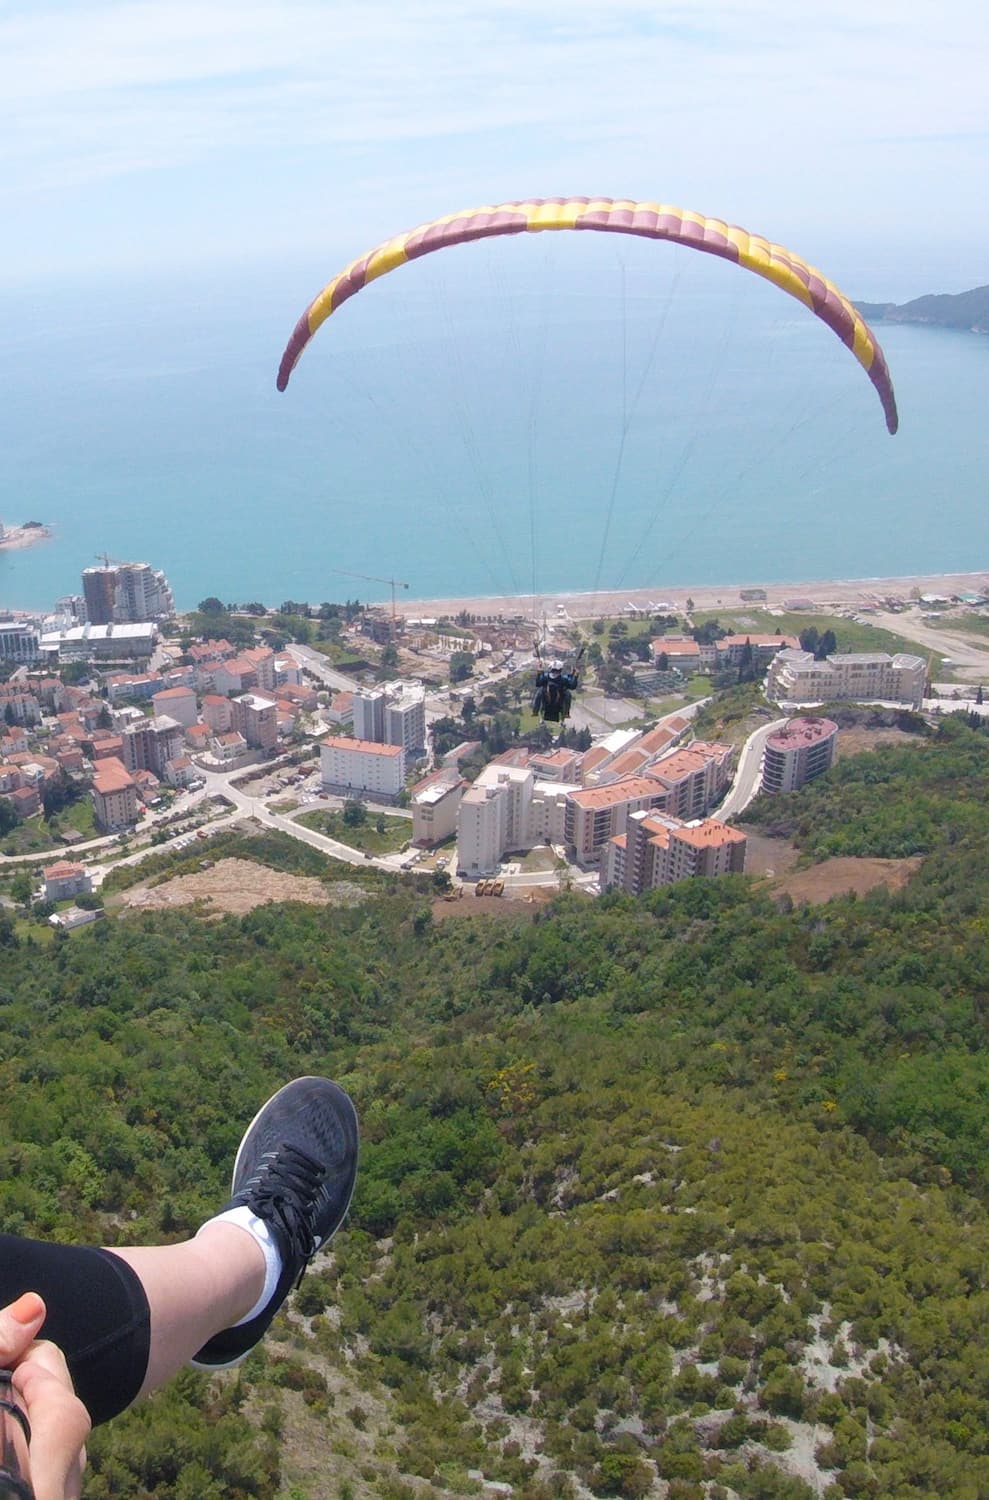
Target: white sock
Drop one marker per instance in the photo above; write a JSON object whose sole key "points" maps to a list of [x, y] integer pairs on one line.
{"points": [[244, 1219]]}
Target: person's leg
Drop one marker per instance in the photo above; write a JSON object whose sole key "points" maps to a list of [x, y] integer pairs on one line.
{"points": [[194, 1290], [128, 1319]]}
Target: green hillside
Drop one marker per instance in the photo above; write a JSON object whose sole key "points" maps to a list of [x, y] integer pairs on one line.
{"points": [[968, 310], [675, 1196]]}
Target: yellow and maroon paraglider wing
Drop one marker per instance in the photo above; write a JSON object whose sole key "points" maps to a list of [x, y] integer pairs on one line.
{"points": [[657, 221]]}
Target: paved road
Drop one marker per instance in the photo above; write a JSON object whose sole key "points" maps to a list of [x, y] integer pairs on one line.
{"points": [[747, 774]]}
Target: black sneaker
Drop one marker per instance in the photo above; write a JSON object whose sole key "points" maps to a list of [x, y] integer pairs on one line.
{"points": [[295, 1169]]}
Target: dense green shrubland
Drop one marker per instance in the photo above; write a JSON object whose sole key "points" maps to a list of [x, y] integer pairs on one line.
{"points": [[647, 1186]]}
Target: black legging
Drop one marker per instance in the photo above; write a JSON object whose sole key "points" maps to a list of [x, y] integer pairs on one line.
{"points": [[98, 1315]]}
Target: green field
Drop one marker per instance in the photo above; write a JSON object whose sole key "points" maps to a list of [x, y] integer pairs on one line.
{"points": [[850, 635], [977, 625], [364, 836]]}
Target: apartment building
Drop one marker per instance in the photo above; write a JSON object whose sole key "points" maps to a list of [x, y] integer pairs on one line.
{"points": [[694, 777], [435, 806], [256, 718], [597, 814], [178, 703], [796, 677], [151, 743], [114, 793], [802, 749], [362, 767], [657, 849]]}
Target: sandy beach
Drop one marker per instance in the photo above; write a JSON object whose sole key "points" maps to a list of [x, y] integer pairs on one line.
{"points": [[835, 593]]}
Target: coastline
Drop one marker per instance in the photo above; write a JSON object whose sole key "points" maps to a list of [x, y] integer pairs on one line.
{"points": [[830, 593], [16, 537]]}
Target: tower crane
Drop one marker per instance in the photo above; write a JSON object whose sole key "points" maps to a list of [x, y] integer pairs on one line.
{"points": [[395, 583]]}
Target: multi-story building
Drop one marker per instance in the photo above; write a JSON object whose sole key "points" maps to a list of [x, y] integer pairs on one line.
{"points": [[109, 642], [19, 642], [178, 703], [66, 879], [435, 805], [395, 715], [363, 767], [797, 677], [482, 824], [256, 718], [99, 587], [657, 849], [218, 713], [597, 814], [115, 803], [126, 593], [802, 749], [694, 777], [405, 720], [151, 744]]}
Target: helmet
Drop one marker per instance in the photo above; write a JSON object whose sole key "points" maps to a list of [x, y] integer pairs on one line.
{"points": [[556, 666]]}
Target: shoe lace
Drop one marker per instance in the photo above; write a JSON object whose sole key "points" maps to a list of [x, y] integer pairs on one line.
{"points": [[284, 1193]]}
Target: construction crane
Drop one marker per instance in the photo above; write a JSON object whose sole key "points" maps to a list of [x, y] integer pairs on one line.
{"points": [[395, 583]]}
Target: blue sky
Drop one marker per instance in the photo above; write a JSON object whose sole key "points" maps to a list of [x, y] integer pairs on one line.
{"points": [[167, 132]]}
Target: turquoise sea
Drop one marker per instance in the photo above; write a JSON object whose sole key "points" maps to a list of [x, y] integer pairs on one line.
{"points": [[556, 412]]}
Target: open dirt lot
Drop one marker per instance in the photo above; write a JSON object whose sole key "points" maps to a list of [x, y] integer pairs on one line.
{"points": [[776, 859], [854, 741], [237, 886], [493, 906], [834, 877]]}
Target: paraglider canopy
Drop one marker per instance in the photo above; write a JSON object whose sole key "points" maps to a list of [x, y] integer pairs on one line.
{"points": [[648, 220]]}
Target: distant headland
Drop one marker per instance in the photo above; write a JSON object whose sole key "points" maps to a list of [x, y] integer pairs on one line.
{"points": [[965, 310]]}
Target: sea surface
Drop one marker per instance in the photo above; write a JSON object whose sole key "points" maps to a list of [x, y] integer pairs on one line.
{"points": [[553, 412]]}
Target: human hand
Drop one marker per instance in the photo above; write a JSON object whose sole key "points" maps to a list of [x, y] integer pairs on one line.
{"points": [[59, 1421]]}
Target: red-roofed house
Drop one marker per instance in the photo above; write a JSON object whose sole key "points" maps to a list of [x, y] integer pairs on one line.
{"points": [[65, 879], [114, 796], [25, 801]]}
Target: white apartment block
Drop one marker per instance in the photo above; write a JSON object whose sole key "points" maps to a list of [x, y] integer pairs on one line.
{"points": [[362, 767], [795, 677], [494, 818], [393, 715], [481, 829], [435, 806], [19, 642], [548, 812]]}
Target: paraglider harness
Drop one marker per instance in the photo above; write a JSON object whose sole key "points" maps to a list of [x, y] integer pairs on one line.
{"points": [[555, 687]]}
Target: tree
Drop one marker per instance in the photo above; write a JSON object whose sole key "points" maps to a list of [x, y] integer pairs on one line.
{"points": [[826, 645], [8, 817], [461, 666], [354, 813], [211, 606], [389, 655], [809, 639], [8, 713]]}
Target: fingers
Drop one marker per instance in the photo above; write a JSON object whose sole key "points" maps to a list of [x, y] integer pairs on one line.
{"points": [[59, 1423], [19, 1325]]}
